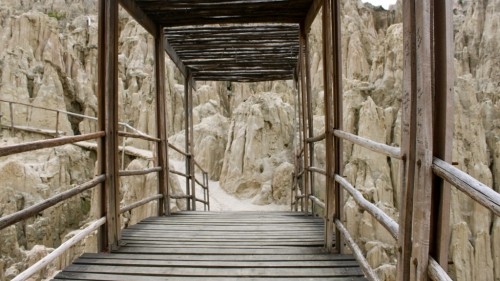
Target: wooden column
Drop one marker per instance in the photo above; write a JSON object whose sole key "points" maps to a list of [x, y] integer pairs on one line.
{"points": [[304, 116], [187, 135], [408, 142], [108, 153], [443, 126], [297, 148], [161, 123], [191, 145], [102, 236], [338, 94], [310, 119], [428, 197], [333, 118]]}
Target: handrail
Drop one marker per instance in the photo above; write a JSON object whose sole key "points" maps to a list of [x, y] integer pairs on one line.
{"points": [[140, 203], [198, 166], [127, 173], [316, 138], [35, 145], [178, 173], [177, 149], [316, 170], [204, 184], [475, 189], [35, 209], [199, 183], [58, 111], [317, 201], [358, 254], [50, 109], [138, 136], [180, 196], [386, 221], [60, 250], [436, 272], [391, 151]]}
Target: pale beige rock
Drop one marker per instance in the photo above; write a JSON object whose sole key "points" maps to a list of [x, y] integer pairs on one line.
{"points": [[210, 138], [462, 252], [282, 182], [260, 139]]}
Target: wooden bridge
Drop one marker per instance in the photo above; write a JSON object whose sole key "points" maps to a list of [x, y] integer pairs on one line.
{"points": [[262, 40], [219, 246]]}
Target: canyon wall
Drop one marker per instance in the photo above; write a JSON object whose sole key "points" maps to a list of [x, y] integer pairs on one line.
{"points": [[244, 132]]}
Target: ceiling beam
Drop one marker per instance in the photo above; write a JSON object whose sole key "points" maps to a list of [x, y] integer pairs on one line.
{"points": [[138, 14], [311, 14]]}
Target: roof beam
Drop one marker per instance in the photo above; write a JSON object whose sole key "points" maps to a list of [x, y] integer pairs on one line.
{"points": [[138, 14], [311, 14], [175, 58]]}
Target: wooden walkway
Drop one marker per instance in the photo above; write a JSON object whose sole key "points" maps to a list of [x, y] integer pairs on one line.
{"points": [[219, 246]]}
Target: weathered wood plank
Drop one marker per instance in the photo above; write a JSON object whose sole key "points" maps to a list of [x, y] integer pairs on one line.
{"points": [[215, 272], [122, 277], [219, 264], [236, 257], [285, 246]]}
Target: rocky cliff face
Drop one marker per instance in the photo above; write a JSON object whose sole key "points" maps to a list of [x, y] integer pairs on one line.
{"points": [[244, 133]]}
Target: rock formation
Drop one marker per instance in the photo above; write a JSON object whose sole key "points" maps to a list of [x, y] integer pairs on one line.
{"points": [[244, 132], [260, 138]]}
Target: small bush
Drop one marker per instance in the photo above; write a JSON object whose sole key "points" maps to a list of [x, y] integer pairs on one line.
{"points": [[57, 15]]}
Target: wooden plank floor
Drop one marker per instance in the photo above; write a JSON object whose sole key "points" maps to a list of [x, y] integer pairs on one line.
{"points": [[219, 246]]}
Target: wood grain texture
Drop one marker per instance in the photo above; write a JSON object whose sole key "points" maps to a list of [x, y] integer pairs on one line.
{"points": [[219, 246]]}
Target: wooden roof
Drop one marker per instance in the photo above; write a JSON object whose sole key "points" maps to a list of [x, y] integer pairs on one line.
{"points": [[231, 40], [244, 53]]}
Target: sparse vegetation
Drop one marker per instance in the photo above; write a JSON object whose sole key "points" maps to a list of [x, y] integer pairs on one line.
{"points": [[57, 15]]}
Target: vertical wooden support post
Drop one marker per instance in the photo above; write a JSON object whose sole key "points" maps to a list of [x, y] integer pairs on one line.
{"points": [[337, 119], [191, 145], [310, 120], [161, 123], [186, 137], [298, 157], [329, 77], [108, 119], [102, 236], [423, 181], [333, 118], [408, 142], [305, 114], [443, 126]]}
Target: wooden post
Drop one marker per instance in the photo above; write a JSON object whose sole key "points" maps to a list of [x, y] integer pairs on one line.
{"points": [[329, 77], [337, 119], [191, 145], [443, 126], [408, 142], [310, 119], [305, 114], [423, 181], [161, 123], [108, 120], [186, 143], [295, 178], [102, 237]]}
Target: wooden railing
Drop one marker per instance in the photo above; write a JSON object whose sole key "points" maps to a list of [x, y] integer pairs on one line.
{"points": [[476, 190], [60, 138], [190, 196]]}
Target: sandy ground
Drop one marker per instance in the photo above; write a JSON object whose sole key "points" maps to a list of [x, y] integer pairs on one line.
{"points": [[220, 200]]}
